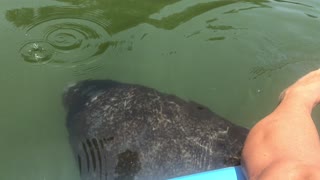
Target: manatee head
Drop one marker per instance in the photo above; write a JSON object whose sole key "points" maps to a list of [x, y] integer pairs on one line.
{"points": [[124, 131]]}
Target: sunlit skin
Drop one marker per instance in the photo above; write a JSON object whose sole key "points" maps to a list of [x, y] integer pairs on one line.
{"points": [[285, 144]]}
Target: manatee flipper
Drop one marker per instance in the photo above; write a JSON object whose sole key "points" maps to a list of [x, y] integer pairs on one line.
{"points": [[129, 132]]}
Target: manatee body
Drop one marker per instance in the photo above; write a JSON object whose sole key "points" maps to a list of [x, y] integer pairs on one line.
{"points": [[129, 132]]}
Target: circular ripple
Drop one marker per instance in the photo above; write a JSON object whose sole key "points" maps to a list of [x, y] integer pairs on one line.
{"points": [[37, 52], [66, 42]]}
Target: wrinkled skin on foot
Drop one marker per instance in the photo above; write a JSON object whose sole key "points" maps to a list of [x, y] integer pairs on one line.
{"points": [[129, 132]]}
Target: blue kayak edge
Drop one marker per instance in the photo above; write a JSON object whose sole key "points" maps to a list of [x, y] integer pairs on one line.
{"points": [[229, 173]]}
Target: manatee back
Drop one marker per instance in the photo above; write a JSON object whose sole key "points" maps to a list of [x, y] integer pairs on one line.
{"points": [[130, 132]]}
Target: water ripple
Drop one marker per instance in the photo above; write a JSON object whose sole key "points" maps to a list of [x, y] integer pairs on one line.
{"points": [[64, 41], [37, 52]]}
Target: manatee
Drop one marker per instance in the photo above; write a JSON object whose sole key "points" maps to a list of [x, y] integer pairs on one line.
{"points": [[121, 131]]}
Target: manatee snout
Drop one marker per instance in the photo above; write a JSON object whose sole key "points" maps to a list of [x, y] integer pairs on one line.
{"points": [[76, 93]]}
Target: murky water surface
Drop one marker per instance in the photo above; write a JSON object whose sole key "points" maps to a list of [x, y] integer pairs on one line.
{"points": [[234, 56]]}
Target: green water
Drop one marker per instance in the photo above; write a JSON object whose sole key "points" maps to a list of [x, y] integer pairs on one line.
{"points": [[234, 56]]}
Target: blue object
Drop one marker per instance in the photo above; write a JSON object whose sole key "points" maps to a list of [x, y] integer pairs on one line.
{"points": [[229, 173]]}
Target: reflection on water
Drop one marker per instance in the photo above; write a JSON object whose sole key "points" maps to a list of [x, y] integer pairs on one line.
{"points": [[292, 2], [216, 38], [310, 15], [172, 21], [116, 16], [79, 32]]}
